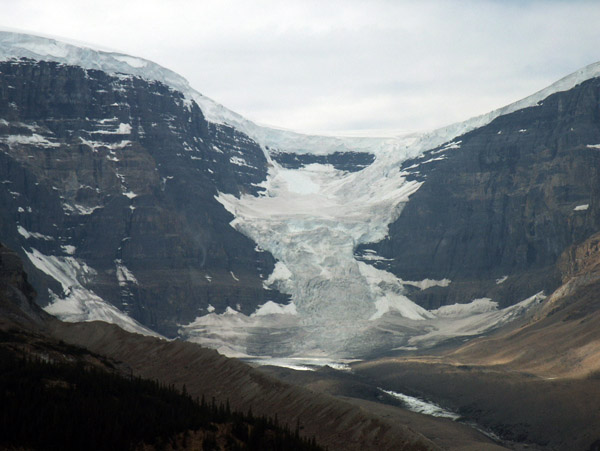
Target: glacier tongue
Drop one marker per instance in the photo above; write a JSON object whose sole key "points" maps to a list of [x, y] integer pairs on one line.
{"points": [[311, 220]]}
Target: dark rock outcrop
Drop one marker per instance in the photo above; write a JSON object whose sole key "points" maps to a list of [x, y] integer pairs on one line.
{"points": [[121, 174], [343, 161]]}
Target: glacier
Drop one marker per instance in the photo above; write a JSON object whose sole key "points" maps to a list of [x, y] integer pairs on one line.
{"points": [[311, 220]]}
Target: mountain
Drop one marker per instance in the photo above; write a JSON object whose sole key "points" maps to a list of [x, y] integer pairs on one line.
{"points": [[458, 266], [504, 204], [134, 199], [108, 189]]}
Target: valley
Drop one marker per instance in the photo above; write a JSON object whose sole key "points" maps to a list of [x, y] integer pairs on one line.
{"points": [[349, 286]]}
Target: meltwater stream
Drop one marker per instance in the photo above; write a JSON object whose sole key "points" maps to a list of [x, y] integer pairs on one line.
{"points": [[429, 408], [420, 406]]}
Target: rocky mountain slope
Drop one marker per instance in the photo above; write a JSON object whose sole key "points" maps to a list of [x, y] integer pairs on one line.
{"points": [[504, 204], [560, 340], [110, 181], [535, 382]]}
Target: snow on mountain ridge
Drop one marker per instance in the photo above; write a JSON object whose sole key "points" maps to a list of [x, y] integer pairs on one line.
{"points": [[19, 45]]}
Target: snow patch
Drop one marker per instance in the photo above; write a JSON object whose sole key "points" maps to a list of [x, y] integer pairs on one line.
{"points": [[80, 209], [76, 303], [420, 406], [231, 332], [431, 160], [582, 207], [427, 283], [481, 305], [272, 308], [68, 249], [239, 162], [124, 275], [371, 255], [470, 320], [302, 363], [65, 270], [122, 129], [279, 277], [387, 290], [27, 235], [501, 280], [98, 145], [449, 146], [30, 140]]}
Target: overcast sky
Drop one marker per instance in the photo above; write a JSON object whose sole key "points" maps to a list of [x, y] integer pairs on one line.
{"points": [[339, 67]]}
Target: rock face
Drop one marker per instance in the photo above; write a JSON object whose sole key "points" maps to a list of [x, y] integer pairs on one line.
{"points": [[344, 161], [503, 200], [112, 179]]}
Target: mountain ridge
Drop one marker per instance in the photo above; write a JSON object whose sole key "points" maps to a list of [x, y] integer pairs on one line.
{"points": [[16, 45]]}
